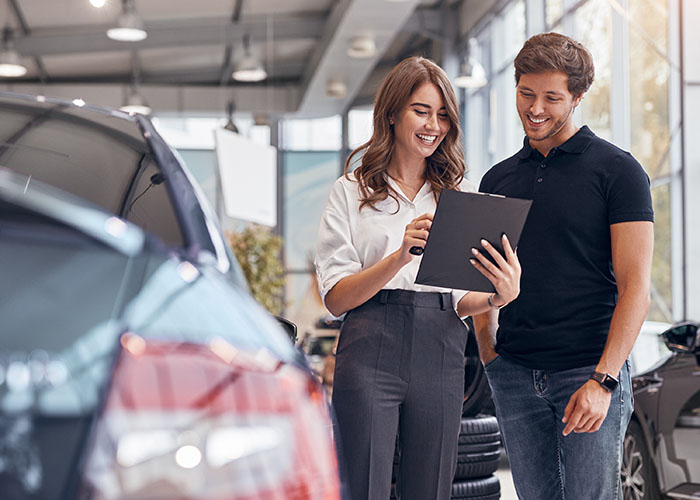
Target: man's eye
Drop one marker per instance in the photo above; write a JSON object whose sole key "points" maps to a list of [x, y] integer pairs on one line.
{"points": [[553, 99]]}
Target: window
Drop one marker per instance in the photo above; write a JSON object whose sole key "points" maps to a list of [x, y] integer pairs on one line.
{"points": [[360, 126], [322, 134], [593, 26], [491, 126]]}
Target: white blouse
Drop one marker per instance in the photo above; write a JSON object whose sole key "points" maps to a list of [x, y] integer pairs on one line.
{"points": [[350, 240]]}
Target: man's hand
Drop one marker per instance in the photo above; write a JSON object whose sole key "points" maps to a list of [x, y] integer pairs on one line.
{"points": [[587, 408]]}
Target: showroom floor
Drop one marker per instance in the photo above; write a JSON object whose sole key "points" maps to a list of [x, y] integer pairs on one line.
{"points": [[504, 476]]}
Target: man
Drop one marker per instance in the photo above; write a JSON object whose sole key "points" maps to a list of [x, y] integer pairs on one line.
{"points": [[556, 356]]}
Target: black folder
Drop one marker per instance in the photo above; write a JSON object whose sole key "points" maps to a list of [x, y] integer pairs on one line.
{"points": [[461, 220]]}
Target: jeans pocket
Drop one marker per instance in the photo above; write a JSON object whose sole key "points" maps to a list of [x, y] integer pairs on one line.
{"points": [[492, 362]]}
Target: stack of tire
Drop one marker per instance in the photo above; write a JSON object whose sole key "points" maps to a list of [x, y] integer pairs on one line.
{"points": [[478, 455], [478, 451]]}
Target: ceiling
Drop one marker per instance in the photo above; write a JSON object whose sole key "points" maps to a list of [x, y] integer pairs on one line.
{"points": [[185, 63]]}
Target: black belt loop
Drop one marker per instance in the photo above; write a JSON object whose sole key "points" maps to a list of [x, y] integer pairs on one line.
{"points": [[442, 301], [383, 296]]}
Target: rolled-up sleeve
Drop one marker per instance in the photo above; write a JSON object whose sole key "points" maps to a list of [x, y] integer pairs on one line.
{"points": [[336, 256]]}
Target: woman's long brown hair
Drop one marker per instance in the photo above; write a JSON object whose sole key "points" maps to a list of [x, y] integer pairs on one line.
{"points": [[445, 168]]}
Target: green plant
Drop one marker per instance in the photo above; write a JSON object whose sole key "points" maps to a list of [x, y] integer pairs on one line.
{"points": [[258, 252]]}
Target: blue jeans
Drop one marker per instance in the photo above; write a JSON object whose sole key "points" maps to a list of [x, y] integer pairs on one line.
{"points": [[545, 464]]}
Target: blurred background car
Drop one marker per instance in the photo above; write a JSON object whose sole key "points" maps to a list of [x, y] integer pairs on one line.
{"points": [[133, 361], [661, 457]]}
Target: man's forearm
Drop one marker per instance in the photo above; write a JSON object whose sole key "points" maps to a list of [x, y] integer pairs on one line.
{"points": [[485, 326], [631, 309]]}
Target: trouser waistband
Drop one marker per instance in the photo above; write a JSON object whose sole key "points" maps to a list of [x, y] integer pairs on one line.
{"points": [[440, 300]]}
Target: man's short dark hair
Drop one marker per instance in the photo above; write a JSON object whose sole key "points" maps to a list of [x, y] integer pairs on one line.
{"points": [[556, 52]]}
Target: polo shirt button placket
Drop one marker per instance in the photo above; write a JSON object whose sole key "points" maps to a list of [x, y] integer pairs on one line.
{"points": [[542, 166]]}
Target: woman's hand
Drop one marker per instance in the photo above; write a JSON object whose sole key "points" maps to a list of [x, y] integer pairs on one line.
{"points": [[415, 235], [505, 275]]}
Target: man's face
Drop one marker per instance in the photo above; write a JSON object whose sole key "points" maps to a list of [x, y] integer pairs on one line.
{"points": [[546, 108]]}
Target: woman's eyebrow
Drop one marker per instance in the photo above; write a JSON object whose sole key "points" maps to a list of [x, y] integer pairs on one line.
{"points": [[423, 105]]}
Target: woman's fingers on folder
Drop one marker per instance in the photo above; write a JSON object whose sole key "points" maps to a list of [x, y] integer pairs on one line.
{"points": [[504, 274], [511, 255]]}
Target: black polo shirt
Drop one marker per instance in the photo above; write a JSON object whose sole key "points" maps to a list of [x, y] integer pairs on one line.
{"points": [[568, 290]]}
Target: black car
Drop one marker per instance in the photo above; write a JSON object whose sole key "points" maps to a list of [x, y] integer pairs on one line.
{"points": [[661, 457], [134, 362]]}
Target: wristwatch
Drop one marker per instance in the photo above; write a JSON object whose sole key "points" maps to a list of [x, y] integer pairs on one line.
{"points": [[608, 382], [489, 300]]}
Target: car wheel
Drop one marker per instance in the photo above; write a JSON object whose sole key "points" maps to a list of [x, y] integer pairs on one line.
{"points": [[637, 472]]}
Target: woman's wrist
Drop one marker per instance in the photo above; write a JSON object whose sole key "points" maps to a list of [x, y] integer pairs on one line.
{"points": [[495, 301]]}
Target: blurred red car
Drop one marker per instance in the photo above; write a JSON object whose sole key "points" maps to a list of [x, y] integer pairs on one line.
{"points": [[134, 363]]}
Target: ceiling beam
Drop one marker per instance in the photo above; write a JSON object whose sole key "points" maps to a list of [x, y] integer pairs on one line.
{"points": [[275, 100], [168, 34], [349, 18], [283, 72]]}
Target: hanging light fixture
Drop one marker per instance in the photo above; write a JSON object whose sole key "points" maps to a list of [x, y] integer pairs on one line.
{"points": [[362, 46], [229, 124], [129, 26], [336, 88], [10, 61], [248, 68], [135, 103], [471, 73]]}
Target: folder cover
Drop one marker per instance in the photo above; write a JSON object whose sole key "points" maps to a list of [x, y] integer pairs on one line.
{"points": [[461, 220]]}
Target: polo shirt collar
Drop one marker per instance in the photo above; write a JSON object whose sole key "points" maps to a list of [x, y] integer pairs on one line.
{"points": [[577, 143]]}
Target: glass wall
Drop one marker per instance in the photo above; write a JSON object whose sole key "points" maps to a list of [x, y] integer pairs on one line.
{"points": [[311, 162], [629, 102]]}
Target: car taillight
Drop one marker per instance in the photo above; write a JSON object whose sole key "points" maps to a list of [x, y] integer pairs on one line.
{"points": [[193, 421]]}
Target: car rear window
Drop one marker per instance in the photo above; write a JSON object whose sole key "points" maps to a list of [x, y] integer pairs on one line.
{"points": [[101, 158]]}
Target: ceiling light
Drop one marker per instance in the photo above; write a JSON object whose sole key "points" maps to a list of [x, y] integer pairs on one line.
{"points": [[135, 103], [336, 89], [98, 4], [471, 73], [129, 25], [362, 46], [248, 68], [10, 61]]}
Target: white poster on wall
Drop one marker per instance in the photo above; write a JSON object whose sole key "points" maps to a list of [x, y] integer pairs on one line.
{"points": [[248, 178]]}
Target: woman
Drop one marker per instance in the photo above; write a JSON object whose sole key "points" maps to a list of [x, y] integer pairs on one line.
{"points": [[400, 356]]}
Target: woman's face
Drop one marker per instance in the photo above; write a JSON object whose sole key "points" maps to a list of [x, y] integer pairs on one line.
{"points": [[422, 124]]}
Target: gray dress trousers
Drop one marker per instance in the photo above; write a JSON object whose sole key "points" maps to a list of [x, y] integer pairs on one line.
{"points": [[400, 366]]}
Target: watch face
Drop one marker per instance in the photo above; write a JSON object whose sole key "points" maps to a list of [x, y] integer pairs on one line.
{"points": [[608, 382]]}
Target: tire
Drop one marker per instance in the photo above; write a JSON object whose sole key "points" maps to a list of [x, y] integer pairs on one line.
{"points": [[477, 488], [482, 424], [479, 457], [470, 470], [637, 473], [477, 393], [490, 437], [470, 448]]}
